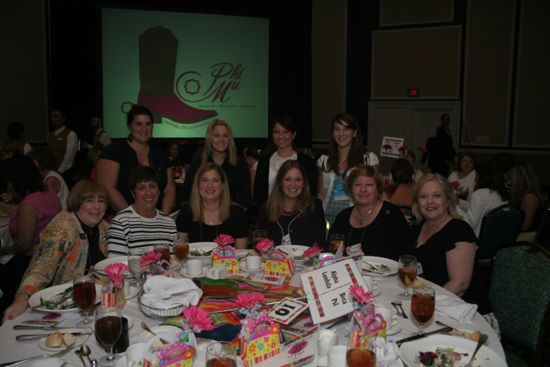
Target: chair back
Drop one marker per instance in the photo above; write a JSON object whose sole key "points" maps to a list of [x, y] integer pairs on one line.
{"points": [[499, 228], [543, 233], [520, 295]]}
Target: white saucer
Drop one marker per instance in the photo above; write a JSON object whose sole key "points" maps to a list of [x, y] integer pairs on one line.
{"points": [[186, 275], [243, 267]]}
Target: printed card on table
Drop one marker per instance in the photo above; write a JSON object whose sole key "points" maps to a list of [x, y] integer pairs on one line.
{"points": [[287, 310], [327, 290], [391, 146]]}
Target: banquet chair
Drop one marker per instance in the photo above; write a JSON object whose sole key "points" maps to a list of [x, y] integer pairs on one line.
{"points": [[499, 228], [520, 296], [543, 232]]}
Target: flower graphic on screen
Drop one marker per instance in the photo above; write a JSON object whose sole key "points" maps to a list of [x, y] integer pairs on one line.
{"points": [[192, 86]]}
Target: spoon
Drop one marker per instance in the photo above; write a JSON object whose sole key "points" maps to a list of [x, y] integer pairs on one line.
{"points": [[79, 354], [482, 339], [85, 351], [148, 329]]}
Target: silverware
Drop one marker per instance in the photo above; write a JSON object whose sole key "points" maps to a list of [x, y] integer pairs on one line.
{"points": [[77, 352], [482, 339], [400, 310], [39, 327], [85, 351], [27, 337], [420, 336], [54, 355]]}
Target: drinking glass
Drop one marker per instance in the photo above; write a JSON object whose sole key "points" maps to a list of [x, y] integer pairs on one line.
{"points": [[407, 272], [257, 236], [134, 256], [423, 306], [361, 353], [181, 248], [84, 296], [462, 192], [164, 250], [221, 354], [335, 241], [108, 327]]}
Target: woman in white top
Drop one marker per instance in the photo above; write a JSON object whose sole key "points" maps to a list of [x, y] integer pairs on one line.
{"points": [[465, 176], [489, 193], [46, 164], [345, 153]]}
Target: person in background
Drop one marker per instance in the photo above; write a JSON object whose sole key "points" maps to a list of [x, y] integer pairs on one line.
{"points": [[46, 165], [251, 155], [441, 152], [16, 144], [525, 195], [100, 134], [345, 153], [120, 158], [291, 215], [62, 142], [505, 161], [220, 148], [377, 225], [71, 243], [411, 157], [35, 204], [399, 192], [141, 225], [283, 134], [489, 193], [465, 176], [209, 211], [444, 244]]}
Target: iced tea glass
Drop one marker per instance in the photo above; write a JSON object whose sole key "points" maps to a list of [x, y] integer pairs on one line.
{"points": [[407, 272], [423, 306], [221, 354], [84, 296], [361, 353]]}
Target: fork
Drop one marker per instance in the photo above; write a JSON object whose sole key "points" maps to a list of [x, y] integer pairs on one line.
{"points": [[399, 307]]}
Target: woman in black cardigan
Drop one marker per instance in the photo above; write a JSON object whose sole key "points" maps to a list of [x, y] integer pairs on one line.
{"points": [[283, 134]]}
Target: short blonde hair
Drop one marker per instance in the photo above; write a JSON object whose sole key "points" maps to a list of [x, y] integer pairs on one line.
{"points": [[195, 200], [363, 170], [447, 190], [85, 189], [208, 138]]}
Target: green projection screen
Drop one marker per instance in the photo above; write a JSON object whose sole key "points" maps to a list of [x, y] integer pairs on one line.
{"points": [[188, 69]]}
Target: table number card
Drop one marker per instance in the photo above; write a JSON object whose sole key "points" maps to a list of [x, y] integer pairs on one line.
{"points": [[327, 290], [287, 310]]}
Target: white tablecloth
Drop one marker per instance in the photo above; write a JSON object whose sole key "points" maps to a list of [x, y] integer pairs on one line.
{"points": [[11, 350]]}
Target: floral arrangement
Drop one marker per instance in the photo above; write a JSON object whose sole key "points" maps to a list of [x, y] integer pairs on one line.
{"points": [[264, 245], [115, 273], [152, 257], [196, 319], [312, 251], [224, 240], [360, 296], [250, 303]]}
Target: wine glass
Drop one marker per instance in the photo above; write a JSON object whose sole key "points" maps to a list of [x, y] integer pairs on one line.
{"points": [[361, 353], [108, 328], [407, 272], [335, 240], [221, 354], [164, 250], [134, 256], [181, 248], [423, 306], [84, 296]]}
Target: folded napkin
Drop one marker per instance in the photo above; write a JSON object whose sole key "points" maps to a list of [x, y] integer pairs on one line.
{"points": [[163, 292], [455, 308], [387, 353]]}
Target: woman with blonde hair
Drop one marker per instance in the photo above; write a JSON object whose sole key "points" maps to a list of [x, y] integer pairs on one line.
{"points": [[291, 215], [444, 244], [220, 148], [209, 211]]}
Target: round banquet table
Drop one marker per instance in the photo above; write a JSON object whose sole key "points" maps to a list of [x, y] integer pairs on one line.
{"points": [[12, 350]]}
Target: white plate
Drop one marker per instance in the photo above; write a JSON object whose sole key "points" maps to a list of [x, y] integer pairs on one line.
{"points": [[485, 357], [243, 267], [100, 266], [375, 260], [202, 246], [47, 293], [79, 340], [50, 362], [293, 250], [167, 332]]}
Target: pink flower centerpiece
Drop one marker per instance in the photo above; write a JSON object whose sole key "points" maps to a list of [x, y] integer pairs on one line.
{"points": [[264, 245], [224, 240], [115, 273], [250, 303], [364, 299], [312, 251], [196, 319], [149, 258]]}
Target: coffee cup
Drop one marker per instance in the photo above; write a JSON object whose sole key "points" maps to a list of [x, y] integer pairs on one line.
{"points": [[253, 262], [327, 339], [194, 267]]}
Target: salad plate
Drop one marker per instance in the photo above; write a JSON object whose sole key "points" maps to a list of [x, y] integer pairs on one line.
{"points": [[379, 266], [202, 251], [79, 340], [447, 347], [295, 251], [58, 298]]}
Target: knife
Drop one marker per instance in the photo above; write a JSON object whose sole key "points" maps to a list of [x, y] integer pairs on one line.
{"points": [[26, 337], [414, 337], [40, 327]]}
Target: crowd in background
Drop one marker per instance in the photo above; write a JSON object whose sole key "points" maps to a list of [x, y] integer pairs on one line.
{"points": [[71, 208]]}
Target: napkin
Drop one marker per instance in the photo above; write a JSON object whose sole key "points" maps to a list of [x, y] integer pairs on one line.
{"points": [[387, 353], [163, 292], [454, 308]]}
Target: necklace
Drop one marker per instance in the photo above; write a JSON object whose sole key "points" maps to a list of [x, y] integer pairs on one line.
{"points": [[362, 219]]}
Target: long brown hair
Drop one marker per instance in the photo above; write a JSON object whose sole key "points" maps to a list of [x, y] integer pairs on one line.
{"points": [[275, 203], [355, 155], [195, 200], [208, 138]]}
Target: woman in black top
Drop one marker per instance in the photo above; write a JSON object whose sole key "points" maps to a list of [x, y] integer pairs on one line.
{"points": [[292, 215], [377, 225], [210, 212], [283, 134], [220, 148]]}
